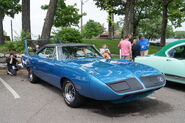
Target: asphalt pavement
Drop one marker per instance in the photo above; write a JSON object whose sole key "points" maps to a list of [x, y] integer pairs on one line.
{"points": [[43, 103]]}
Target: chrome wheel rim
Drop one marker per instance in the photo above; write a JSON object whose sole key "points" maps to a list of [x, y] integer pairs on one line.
{"points": [[69, 93], [31, 76]]}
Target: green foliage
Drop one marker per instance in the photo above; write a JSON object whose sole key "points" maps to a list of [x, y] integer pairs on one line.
{"points": [[176, 16], [68, 35], [151, 28], [112, 6], [92, 29], [9, 7], [65, 15], [18, 44], [179, 34]]}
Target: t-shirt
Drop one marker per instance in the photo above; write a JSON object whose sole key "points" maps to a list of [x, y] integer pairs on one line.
{"points": [[102, 50], [13, 62], [126, 47], [143, 44], [136, 50]]}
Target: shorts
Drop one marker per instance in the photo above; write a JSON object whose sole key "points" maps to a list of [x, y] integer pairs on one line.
{"points": [[144, 52], [126, 57]]}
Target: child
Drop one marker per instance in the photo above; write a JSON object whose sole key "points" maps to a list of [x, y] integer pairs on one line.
{"points": [[104, 48], [106, 54]]}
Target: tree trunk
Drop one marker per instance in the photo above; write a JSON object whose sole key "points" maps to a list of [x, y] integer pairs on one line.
{"points": [[26, 17], [46, 30], [129, 17], [135, 26], [164, 22], [1, 30], [111, 25]]}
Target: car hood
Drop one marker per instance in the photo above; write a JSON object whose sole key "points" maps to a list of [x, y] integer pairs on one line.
{"points": [[108, 70]]}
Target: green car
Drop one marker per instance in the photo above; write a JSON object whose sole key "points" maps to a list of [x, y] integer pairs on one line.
{"points": [[170, 60]]}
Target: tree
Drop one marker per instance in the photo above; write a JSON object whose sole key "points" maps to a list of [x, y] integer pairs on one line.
{"points": [[65, 15], [165, 4], [46, 30], [112, 7], [68, 35], [151, 28], [26, 17], [92, 29], [10, 8], [170, 12], [129, 17]]}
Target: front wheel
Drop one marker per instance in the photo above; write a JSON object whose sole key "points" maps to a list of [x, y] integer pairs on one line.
{"points": [[32, 77], [71, 96]]}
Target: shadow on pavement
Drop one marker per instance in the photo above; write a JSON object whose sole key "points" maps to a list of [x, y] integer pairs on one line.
{"points": [[145, 107], [176, 86]]}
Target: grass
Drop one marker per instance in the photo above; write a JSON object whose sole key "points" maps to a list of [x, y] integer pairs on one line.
{"points": [[113, 45]]}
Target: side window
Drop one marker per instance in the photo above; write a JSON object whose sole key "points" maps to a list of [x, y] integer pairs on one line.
{"points": [[178, 52], [48, 52]]}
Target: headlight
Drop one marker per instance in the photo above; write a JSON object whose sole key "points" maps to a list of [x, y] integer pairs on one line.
{"points": [[126, 85], [152, 81], [119, 86]]}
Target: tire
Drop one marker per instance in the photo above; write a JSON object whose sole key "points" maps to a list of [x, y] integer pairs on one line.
{"points": [[71, 96], [32, 77]]}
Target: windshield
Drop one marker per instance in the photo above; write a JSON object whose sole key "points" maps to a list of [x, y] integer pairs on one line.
{"points": [[71, 52]]}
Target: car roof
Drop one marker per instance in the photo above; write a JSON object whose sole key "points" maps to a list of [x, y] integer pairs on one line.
{"points": [[165, 48], [67, 44]]}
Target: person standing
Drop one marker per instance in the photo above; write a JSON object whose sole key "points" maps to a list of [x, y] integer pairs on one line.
{"points": [[144, 44], [130, 38], [126, 48], [135, 49]]}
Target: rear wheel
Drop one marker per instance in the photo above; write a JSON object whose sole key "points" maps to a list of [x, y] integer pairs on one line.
{"points": [[32, 77], [71, 96]]}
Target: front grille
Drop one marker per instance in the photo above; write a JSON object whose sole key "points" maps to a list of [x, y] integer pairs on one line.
{"points": [[125, 85], [152, 81]]}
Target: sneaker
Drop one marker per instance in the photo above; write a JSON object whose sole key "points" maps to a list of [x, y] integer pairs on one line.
{"points": [[9, 73]]}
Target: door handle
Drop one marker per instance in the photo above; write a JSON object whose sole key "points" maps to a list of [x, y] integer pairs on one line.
{"points": [[168, 60]]}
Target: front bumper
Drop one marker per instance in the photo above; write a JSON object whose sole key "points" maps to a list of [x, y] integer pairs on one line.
{"points": [[102, 91]]}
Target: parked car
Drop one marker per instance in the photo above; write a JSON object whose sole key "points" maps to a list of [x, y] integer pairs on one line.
{"points": [[81, 71], [170, 60]]}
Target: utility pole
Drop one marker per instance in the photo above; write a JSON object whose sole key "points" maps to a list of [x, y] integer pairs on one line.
{"points": [[81, 25], [11, 30], [82, 16]]}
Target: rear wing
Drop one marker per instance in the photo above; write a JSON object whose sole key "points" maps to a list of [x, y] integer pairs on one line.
{"points": [[34, 45]]}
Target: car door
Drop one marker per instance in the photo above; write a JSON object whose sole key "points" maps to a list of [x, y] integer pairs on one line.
{"points": [[175, 61], [46, 64]]}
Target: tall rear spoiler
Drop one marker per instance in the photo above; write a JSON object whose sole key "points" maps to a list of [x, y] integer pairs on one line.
{"points": [[39, 40]]}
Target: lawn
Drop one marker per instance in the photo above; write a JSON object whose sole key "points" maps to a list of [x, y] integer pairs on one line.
{"points": [[113, 45]]}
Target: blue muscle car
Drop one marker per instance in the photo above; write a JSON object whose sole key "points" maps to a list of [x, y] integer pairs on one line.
{"points": [[81, 71]]}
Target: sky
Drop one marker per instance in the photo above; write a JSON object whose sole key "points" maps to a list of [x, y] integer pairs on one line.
{"points": [[38, 15]]}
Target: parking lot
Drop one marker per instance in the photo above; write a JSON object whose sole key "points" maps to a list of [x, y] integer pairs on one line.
{"points": [[21, 101]]}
